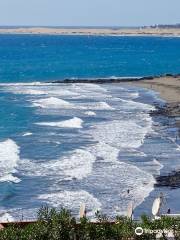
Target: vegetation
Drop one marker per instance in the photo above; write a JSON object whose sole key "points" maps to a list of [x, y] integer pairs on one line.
{"points": [[60, 225]]}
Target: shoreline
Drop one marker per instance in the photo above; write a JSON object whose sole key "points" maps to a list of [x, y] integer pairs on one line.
{"points": [[168, 89], [166, 86], [141, 31]]}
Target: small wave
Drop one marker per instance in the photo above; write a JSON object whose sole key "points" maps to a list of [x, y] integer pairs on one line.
{"points": [[129, 105], [23, 84], [105, 152], [90, 113], [72, 123], [57, 103], [97, 106], [61, 92], [77, 165], [101, 106], [27, 134], [121, 134], [9, 158], [158, 165], [85, 87], [52, 102], [28, 91], [134, 95], [72, 200]]}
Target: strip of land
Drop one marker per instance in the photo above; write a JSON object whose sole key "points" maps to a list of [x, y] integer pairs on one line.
{"points": [[149, 31]]}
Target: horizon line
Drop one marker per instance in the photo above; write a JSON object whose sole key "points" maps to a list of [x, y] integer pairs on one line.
{"points": [[89, 26]]}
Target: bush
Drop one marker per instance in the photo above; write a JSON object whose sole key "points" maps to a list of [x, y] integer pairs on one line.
{"points": [[60, 225]]}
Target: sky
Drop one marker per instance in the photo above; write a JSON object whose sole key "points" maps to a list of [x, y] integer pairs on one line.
{"points": [[89, 12]]}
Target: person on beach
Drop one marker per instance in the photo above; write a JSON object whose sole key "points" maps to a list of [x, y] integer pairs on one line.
{"points": [[169, 211]]}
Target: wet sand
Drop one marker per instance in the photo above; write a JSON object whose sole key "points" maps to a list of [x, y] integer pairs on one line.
{"points": [[93, 31]]}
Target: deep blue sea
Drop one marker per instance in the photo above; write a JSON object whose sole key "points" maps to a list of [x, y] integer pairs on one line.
{"points": [[67, 144], [41, 58]]}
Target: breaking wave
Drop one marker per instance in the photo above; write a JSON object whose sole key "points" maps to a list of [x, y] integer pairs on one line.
{"points": [[72, 123], [9, 158], [72, 200], [77, 165], [52, 102]]}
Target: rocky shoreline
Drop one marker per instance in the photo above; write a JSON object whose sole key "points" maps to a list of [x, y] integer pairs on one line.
{"points": [[171, 180], [169, 110], [113, 80]]}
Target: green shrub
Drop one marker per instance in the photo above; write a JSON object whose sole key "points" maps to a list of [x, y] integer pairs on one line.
{"points": [[60, 225]]}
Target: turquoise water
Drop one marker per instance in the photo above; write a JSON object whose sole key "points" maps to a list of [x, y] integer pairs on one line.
{"points": [[64, 144]]}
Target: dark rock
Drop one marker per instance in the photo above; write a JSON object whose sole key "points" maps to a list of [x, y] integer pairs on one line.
{"points": [[172, 180], [169, 110], [112, 80]]}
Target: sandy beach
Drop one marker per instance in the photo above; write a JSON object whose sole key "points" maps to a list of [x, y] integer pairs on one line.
{"points": [[146, 31], [168, 87]]}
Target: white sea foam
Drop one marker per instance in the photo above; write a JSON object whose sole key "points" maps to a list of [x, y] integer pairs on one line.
{"points": [[77, 165], [114, 179], [57, 103], [90, 113], [101, 106], [23, 84], [61, 92], [72, 123], [158, 165], [105, 152], [52, 102], [178, 148], [72, 200], [132, 105], [9, 157], [97, 106], [27, 134], [121, 134], [89, 87], [6, 217], [27, 91], [134, 95]]}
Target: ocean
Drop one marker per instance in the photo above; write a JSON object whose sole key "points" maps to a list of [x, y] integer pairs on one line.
{"points": [[64, 144]]}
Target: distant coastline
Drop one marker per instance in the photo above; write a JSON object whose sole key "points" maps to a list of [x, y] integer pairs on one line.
{"points": [[96, 31]]}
